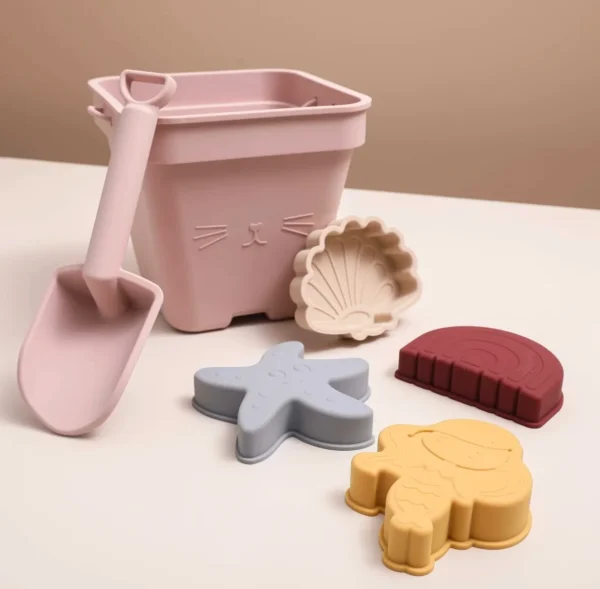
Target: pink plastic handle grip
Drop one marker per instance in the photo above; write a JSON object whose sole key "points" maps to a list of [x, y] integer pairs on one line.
{"points": [[160, 99], [130, 149], [127, 78]]}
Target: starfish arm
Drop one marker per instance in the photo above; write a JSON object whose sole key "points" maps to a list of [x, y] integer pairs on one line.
{"points": [[347, 375], [287, 351], [220, 391], [263, 420], [331, 417]]}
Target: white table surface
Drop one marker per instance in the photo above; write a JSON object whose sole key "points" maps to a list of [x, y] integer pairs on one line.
{"points": [[155, 499]]}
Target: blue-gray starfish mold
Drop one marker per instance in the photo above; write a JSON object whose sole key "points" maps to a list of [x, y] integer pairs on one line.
{"points": [[321, 402]]}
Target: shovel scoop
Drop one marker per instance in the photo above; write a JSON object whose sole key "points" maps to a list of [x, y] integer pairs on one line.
{"points": [[94, 319]]}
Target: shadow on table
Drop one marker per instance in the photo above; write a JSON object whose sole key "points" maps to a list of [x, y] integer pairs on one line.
{"points": [[277, 332], [26, 277], [31, 275], [282, 331], [367, 528], [369, 537], [225, 441], [13, 409]]}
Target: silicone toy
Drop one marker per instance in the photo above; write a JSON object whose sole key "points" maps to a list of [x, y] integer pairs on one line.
{"points": [[354, 279], [455, 484], [320, 402], [497, 371], [94, 319], [244, 165]]}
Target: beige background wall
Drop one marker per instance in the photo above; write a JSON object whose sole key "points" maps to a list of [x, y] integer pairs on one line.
{"points": [[491, 99]]}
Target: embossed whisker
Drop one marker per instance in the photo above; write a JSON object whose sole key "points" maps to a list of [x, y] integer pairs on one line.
{"points": [[297, 224], [220, 232], [210, 227], [204, 245], [295, 217], [295, 231]]}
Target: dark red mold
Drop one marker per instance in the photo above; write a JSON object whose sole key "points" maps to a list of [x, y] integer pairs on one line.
{"points": [[500, 372]]}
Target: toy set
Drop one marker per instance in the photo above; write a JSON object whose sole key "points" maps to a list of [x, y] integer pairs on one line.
{"points": [[229, 184]]}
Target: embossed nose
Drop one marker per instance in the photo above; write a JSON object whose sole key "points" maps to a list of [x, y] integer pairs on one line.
{"points": [[254, 229]]}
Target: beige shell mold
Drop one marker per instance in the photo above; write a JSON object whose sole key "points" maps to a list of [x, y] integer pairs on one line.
{"points": [[354, 279]]}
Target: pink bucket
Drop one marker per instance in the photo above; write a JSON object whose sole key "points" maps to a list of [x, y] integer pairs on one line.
{"points": [[244, 165]]}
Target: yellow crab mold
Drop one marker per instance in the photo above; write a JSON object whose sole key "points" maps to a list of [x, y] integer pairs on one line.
{"points": [[354, 279], [456, 484]]}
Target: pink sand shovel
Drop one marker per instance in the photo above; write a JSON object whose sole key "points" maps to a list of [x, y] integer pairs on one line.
{"points": [[94, 320]]}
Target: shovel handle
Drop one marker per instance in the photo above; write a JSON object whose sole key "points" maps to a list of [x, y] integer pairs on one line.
{"points": [[130, 148]]}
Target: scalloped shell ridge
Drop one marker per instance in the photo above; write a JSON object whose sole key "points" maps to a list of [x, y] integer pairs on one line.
{"points": [[354, 279]]}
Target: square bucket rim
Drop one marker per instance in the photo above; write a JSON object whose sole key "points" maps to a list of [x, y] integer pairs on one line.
{"points": [[363, 102]]}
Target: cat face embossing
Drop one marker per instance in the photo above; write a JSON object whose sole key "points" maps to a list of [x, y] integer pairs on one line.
{"points": [[208, 235], [255, 228]]}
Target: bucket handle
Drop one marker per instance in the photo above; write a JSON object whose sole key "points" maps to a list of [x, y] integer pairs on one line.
{"points": [[98, 113], [127, 78]]}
